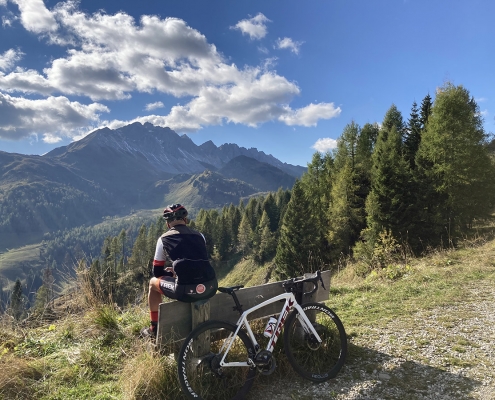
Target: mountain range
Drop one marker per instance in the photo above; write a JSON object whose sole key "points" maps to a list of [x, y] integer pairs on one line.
{"points": [[111, 172]]}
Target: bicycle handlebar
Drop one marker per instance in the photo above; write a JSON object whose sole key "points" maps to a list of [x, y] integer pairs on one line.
{"points": [[296, 285]]}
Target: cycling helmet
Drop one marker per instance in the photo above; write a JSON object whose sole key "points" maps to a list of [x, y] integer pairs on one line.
{"points": [[174, 212]]}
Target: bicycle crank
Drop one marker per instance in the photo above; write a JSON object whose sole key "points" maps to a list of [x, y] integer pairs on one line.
{"points": [[265, 362]]}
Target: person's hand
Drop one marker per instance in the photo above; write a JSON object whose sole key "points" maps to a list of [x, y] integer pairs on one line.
{"points": [[171, 270]]}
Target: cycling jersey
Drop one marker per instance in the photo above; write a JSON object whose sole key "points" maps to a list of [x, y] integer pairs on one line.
{"points": [[184, 249]]}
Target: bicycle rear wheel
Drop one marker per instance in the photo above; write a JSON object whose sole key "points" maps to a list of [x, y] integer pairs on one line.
{"points": [[200, 373], [316, 361]]}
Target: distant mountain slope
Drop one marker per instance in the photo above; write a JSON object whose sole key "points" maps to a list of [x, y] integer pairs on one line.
{"points": [[110, 172], [258, 174], [206, 190], [163, 150]]}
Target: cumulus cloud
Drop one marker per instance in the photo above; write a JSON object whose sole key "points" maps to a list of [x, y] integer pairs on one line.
{"points": [[154, 106], [288, 43], [35, 17], [9, 58], [309, 115], [111, 57], [52, 117], [254, 27], [325, 144]]}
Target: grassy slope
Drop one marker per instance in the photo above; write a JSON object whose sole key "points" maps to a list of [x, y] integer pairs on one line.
{"points": [[14, 262], [98, 356]]}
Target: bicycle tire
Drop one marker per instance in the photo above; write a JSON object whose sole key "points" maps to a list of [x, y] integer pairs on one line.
{"points": [[315, 361], [202, 378]]}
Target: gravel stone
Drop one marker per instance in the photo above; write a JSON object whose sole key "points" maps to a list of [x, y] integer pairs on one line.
{"points": [[442, 353]]}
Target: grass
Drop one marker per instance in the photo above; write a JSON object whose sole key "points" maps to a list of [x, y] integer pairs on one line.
{"points": [[96, 354]]}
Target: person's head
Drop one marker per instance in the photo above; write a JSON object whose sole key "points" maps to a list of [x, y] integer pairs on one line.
{"points": [[175, 214]]}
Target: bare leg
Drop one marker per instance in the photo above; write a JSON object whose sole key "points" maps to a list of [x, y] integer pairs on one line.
{"points": [[154, 295]]}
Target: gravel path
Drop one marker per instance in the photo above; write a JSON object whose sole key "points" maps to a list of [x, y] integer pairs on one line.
{"points": [[444, 353]]}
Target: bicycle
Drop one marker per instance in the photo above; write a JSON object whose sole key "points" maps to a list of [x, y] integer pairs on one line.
{"points": [[219, 360]]}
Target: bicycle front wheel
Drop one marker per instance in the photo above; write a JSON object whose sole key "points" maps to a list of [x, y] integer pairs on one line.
{"points": [[311, 359], [200, 373]]}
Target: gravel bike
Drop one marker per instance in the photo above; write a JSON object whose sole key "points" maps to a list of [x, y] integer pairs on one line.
{"points": [[219, 360]]}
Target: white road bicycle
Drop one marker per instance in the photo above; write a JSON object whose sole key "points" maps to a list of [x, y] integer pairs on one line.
{"points": [[219, 360]]}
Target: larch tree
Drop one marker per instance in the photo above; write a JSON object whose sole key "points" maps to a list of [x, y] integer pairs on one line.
{"points": [[454, 160]]}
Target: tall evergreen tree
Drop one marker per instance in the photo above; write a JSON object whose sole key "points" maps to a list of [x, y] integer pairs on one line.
{"points": [[245, 235], [268, 242], [17, 302], [425, 111], [390, 204], [413, 136], [297, 250], [453, 158], [393, 118]]}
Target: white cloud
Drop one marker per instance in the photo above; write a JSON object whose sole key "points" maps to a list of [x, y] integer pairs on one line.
{"points": [[484, 113], [288, 43], [110, 57], [325, 144], [35, 17], [309, 115], [9, 58], [481, 99], [3, 2], [53, 116], [51, 138], [154, 106], [254, 27]]}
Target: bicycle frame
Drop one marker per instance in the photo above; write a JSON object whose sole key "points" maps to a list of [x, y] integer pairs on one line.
{"points": [[290, 303]]}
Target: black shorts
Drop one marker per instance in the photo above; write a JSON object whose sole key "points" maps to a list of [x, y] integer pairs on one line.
{"points": [[187, 293]]}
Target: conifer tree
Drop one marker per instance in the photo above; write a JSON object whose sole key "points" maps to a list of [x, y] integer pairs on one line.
{"points": [[346, 215], [393, 118], [245, 235], [425, 111], [297, 249], [17, 301], [390, 204], [268, 242], [453, 158], [413, 136]]}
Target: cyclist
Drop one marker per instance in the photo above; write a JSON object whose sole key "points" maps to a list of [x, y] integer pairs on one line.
{"points": [[180, 267]]}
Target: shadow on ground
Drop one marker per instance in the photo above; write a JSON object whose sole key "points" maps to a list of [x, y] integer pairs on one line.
{"points": [[373, 375]]}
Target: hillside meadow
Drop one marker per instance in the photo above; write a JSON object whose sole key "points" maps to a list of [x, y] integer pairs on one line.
{"points": [[90, 350]]}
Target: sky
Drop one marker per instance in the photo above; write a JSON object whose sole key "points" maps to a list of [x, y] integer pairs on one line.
{"points": [[283, 76]]}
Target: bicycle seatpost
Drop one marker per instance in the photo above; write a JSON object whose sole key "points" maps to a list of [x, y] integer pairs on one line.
{"points": [[238, 306]]}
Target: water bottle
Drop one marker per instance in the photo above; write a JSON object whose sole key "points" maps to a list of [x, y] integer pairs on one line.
{"points": [[270, 327]]}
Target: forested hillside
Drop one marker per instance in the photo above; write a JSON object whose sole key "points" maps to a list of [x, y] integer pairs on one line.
{"points": [[389, 191]]}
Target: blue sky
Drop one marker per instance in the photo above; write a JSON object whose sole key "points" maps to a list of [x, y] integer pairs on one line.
{"points": [[282, 76]]}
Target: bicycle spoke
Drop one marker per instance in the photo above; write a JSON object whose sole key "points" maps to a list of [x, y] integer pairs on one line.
{"points": [[200, 373], [314, 360]]}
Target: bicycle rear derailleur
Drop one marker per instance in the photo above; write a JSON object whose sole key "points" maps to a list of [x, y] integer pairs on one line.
{"points": [[265, 362]]}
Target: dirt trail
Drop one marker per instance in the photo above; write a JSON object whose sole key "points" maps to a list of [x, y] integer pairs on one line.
{"points": [[444, 353]]}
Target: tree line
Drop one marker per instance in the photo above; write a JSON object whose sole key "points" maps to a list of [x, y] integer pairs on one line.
{"points": [[401, 186]]}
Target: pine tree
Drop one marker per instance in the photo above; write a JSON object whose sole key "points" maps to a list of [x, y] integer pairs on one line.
{"points": [[413, 136], [297, 249], [452, 157], [345, 214], [245, 235], [268, 242], [425, 111], [17, 302], [390, 204], [393, 118]]}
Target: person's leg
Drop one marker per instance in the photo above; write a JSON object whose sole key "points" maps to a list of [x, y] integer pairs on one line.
{"points": [[154, 299], [158, 287]]}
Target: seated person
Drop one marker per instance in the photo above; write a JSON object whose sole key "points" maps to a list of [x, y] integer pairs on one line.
{"points": [[180, 267]]}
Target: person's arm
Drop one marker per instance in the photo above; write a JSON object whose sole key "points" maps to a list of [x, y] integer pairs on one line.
{"points": [[159, 260]]}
